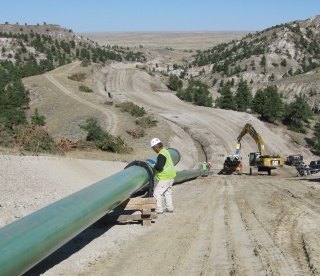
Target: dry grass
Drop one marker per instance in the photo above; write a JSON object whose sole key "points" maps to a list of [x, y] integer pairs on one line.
{"points": [[175, 40]]}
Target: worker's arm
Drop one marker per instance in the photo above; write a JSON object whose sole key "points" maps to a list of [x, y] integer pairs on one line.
{"points": [[161, 161]]}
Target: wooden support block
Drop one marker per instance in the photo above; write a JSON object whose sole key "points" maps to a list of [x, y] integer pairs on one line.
{"points": [[123, 218], [146, 211], [140, 203], [144, 205], [142, 200], [146, 222], [139, 206]]}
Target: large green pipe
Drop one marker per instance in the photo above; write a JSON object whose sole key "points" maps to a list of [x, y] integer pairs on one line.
{"points": [[27, 241], [190, 174]]}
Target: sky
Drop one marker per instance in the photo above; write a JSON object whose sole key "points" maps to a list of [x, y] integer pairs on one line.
{"points": [[161, 15]]}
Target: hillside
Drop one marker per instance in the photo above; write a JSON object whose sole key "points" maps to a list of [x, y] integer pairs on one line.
{"points": [[273, 56], [52, 45]]}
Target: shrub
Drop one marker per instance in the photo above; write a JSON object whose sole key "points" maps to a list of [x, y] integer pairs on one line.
{"points": [[283, 63], [6, 137], [86, 89], [136, 133], [85, 63], [102, 139], [77, 77], [133, 109], [35, 139], [146, 122]]}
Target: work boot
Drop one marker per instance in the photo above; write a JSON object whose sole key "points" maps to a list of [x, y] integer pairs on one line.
{"points": [[159, 212]]}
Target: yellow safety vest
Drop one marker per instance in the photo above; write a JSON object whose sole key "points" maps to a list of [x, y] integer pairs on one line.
{"points": [[169, 171]]}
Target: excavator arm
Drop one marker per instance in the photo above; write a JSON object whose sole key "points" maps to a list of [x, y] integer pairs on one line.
{"points": [[248, 128]]}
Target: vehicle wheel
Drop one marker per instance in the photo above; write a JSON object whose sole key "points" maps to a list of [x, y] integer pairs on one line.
{"points": [[269, 172], [250, 171]]}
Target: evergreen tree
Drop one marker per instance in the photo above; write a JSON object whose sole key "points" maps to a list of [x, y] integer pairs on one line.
{"points": [[243, 96], [197, 93], [12, 99], [226, 100], [316, 138], [175, 83], [268, 104], [37, 119], [263, 61], [296, 114], [274, 105]]}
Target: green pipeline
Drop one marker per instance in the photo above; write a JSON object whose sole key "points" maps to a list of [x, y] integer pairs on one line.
{"points": [[27, 241]]}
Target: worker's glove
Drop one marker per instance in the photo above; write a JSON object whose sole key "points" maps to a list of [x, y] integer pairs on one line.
{"points": [[151, 162]]}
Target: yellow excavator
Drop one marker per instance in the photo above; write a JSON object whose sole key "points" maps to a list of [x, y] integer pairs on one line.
{"points": [[260, 161]]}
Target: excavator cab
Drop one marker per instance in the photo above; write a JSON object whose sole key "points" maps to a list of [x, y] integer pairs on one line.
{"points": [[253, 158]]}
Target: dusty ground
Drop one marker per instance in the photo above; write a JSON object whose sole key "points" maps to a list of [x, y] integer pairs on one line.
{"points": [[227, 226], [222, 225], [236, 225]]}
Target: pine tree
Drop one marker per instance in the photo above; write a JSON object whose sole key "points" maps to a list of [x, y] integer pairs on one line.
{"points": [[197, 93], [274, 105], [243, 96], [316, 138], [226, 100], [175, 83], [296, 114], [268, 104], [37, 119], [258, 102]]}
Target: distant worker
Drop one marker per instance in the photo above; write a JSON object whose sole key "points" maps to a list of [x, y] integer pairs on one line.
{"points": [[204, 166], [165, 173], [306, 169]]}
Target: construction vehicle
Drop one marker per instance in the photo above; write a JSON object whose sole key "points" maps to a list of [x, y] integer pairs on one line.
{"points": [[294, 160], [232, 165], [260, 161]]}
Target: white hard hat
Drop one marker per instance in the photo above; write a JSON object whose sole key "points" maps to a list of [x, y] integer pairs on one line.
{"points": [[154, 142]]}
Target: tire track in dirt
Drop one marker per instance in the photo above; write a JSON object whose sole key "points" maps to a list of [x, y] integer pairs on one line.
{"points": [[199, 260], [245, 262], [296, 230], [111, 120], [298, 194], [271, 256]]}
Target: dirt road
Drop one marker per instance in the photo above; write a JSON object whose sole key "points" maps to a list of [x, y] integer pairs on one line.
{"points": [[215, 129], [227, 225], [111, 120]]}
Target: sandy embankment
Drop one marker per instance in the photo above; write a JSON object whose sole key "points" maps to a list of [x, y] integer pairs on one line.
{"points": [[29, 183]]}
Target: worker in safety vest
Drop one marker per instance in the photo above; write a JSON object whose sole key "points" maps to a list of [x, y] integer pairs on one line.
{"points": [[204, 166], [165, 173]]}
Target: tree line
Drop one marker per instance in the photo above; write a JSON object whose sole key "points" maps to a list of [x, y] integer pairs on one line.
{"points": [[267, 103]]}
